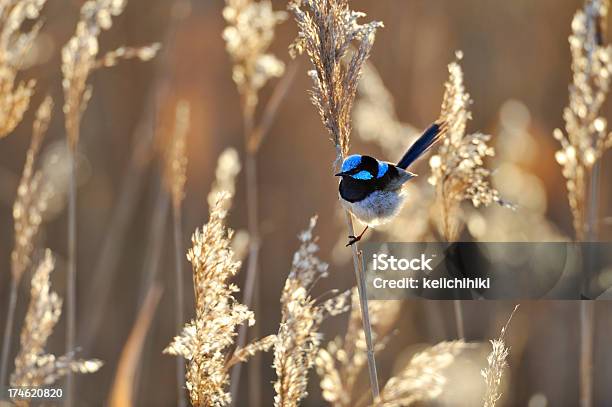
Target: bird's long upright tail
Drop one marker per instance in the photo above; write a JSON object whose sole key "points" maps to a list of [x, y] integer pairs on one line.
{"points": [[423, 143]]}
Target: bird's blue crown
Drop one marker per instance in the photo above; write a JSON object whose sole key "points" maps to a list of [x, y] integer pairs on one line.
{"points": [[352, 162]]}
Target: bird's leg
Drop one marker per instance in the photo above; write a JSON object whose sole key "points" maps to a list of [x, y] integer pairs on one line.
{"points": [[355, 239]]}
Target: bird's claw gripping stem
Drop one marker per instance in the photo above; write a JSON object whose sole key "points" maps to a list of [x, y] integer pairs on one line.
{"points": [[355, 239]]}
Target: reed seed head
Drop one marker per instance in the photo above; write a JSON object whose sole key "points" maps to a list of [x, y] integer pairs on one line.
{"points": [[327, 31], [14, 46], [33, 195], [34, 367], [298, 337], [248, 35], [458, 169], [79, 59], [228, 168], [496, 363], [175, 169], [207, 340], [586, 136]]}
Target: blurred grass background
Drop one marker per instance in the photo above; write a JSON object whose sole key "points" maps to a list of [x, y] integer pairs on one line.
{"points": [[512, 50]]}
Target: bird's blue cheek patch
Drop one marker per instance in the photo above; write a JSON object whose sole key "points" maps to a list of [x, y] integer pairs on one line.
{"points": [[382, 169], [363, 175], [351, 162]]}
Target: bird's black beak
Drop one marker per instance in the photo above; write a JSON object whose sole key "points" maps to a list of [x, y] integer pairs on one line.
{"points": [[340, 174]]}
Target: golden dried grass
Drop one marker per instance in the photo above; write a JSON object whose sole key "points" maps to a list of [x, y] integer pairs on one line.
{"points": [[298, 337], [33, 366], [14, 47]]}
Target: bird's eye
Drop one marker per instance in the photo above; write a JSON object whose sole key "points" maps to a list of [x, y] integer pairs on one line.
{"points": [[363, 175]]}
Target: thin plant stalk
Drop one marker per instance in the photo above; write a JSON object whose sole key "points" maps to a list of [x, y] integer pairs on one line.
{"points": [[131, 186], [587, 308], [587, 330], [359, 266], [8, 334], [459, 318], [152, 264], [155, 242], [254, 136], [254, 243], [71, 274], [110, 252], [180, 299]]}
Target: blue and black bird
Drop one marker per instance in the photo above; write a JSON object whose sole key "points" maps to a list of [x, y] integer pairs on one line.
{"points": [[372, 190]]}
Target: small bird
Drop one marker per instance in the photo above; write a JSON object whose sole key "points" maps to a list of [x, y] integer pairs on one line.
{"points": [[372, 190]]}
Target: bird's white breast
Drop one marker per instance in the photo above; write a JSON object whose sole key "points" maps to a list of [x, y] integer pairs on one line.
{"points": [[378, 208]]}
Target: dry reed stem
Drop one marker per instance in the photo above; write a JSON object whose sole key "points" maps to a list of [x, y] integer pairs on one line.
{"points": [[14, 47], [123, 386], [33, 194], [248, 36], [583, 145], [298, 337], [78, 61], [228, 167], [34, 367], [587, 339], [175, 176], [422, 379], [205, 342], [327, 31], [497, 362], [131, 184]]}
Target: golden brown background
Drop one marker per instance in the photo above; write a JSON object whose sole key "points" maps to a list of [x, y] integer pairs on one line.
{"points": [[512, 50]]}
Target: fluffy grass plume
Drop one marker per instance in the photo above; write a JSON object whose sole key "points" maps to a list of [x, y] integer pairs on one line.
{"points": [[248, 35], [422, 379], [298, 337], [586, 134], [33, 366], [33, 195], [14, 47], [327, 31], [207, 340], [458, 168], [496, 363], [79, 59], [175, 163], [342, 360], [228, 168]]}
